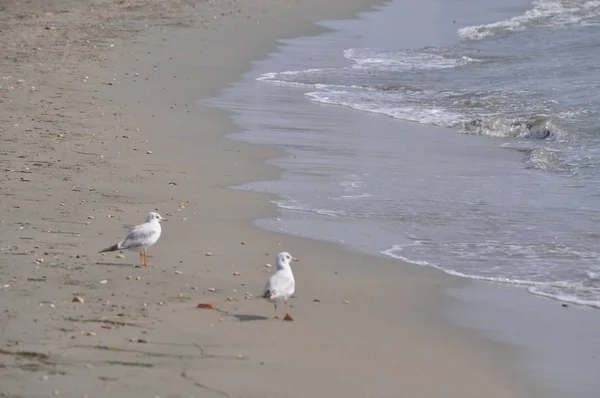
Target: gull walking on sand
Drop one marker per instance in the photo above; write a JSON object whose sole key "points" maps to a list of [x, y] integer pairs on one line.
{"points": [[141, 237], [281, 285]]}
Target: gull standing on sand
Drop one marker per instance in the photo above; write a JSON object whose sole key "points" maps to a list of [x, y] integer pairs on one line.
{"points": [[141, 237], [281, 285]]}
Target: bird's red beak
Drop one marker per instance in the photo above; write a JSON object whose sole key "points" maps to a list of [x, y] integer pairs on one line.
{"points": [[294, 259]]}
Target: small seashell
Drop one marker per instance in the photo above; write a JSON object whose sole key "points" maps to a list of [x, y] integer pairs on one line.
{"points": [[103, 281], [91, 333], [39, 260], [205, 306], [149, 152], [236, 274], [346, 302], [78, 299], [120, 256], [129, 278], [212, 289], [36, 247], [208, 254], [268, 265], [239, 356]]}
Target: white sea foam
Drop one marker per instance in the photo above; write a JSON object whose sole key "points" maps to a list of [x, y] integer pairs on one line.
{"points": [[574, 292], [424, 115], [287, 205], [371, 58], [565, 298], [543, 13], [358, 196]]}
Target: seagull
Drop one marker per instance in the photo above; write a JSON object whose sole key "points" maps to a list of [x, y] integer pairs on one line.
{"points": [[281, 285], [140, 237]]}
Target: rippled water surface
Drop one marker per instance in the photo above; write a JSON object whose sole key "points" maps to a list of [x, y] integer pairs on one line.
{"points": [[509, 193]]}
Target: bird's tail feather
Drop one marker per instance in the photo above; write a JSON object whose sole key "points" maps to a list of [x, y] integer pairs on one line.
{"points": [[110, 249]]}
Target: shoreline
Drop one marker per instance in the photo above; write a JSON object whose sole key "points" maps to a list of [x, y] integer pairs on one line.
{"points": [[106, 173]]}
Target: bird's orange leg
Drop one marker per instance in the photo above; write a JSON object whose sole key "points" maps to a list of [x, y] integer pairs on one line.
{"points": [[276, 316], [287, 316], [141, 259], [146, 260]]}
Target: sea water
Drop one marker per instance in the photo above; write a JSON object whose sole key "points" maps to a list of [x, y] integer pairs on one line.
{"points": [[473, 147]]}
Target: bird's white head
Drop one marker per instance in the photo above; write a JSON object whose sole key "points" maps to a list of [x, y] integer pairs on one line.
{"points": [[154, 217], [284, 259]]}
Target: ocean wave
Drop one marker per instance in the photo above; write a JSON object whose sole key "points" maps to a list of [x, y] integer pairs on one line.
{"points": [[547, 159], [537, 127], [430, 108], [585, 292], [543, 13], [287, 205], [370, 58], [559, 295], [419, 114]]}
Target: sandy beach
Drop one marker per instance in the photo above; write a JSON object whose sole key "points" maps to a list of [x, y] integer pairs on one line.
{"points": [[98, 127]]}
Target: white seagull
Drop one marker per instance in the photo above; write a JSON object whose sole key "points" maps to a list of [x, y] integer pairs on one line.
{"points": [[141, 237], [281, 285]]}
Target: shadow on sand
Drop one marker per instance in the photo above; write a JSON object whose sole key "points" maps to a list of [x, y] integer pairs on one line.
{"points": [[248, 317], [118, 264]]}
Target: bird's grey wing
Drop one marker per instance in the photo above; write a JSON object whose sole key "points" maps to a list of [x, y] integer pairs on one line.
{"points": [[137, 235]]}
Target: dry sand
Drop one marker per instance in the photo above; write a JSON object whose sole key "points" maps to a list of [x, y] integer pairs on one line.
{"points": [[98, 126]]}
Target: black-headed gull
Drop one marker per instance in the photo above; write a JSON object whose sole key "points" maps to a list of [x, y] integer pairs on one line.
{"points": [[281, 285], [141, 237]]}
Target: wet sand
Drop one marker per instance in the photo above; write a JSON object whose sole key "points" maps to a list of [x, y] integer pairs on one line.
{"points": [[99, 125]]}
